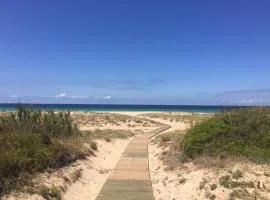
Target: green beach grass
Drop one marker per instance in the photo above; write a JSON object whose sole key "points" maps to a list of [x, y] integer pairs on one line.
{"points": [[239, 133], [32, 141]]}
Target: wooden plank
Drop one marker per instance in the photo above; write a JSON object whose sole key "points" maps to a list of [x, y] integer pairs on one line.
{"points": [[126, 190]]}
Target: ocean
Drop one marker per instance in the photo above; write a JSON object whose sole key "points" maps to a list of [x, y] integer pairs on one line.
{"points": [[124, 108]]}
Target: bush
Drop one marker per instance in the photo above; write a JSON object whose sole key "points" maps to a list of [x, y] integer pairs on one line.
{"points": [[50, 193], [30, 142], [46, 124], [237, 175], [94, 146], [108, 139], [165, 138], [76, 175], [241, 132], [225, 181], [213, 186], [182, 180]]}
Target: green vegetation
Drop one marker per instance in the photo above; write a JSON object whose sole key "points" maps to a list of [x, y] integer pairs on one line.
{"points": [[169, 136], [227, 182], [94, 146], [165, 139], [267, 174], [202, 184], [238, 194], [107, 139], [76, 175], [210, 196], [213, 186], [182, 180], [237, 175], [240, 133], [138, 121], [32, 141], [50, 193]]}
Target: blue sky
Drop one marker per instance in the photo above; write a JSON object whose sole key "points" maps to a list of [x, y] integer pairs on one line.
{"points": [[142, 52]]}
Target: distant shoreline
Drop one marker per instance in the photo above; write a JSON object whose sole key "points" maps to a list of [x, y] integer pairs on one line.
{"points": [[7, 107]]}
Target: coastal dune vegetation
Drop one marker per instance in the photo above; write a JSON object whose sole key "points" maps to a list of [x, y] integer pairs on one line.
{"points": [[43, 152], [224, 156], [239, 133], [32, 141]]}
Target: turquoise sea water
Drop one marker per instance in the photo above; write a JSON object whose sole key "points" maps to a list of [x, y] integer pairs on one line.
{"points": [[126, 108]]}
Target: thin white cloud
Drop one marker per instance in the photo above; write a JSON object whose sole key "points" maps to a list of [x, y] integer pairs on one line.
{"points": [[62, 95], [104, 97], [107, 97], [78, 97], [70, 96]]}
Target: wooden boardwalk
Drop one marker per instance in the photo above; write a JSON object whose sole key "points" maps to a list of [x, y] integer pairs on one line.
{"points": [[130, 179]]}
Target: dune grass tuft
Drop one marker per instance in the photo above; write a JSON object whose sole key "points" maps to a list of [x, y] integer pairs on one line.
{"points": [[241, 132], [50, 193], [32, 141]]}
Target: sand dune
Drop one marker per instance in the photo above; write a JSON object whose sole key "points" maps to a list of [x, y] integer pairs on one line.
{"points": [[198, 179]]}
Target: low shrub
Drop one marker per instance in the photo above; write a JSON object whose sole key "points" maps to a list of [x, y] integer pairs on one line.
{"points": [[31, 142], [50, 193], [237, 174], [241, 132]]}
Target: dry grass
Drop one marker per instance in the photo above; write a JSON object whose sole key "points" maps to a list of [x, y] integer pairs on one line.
{"points": [[94, 146], [101, 119], [170, 141], [108, 133], [182, 181], [213, 186], [76, 175], [192, 118], [227, 182], [237, 174], [208, 162], [50, 193]]}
